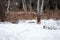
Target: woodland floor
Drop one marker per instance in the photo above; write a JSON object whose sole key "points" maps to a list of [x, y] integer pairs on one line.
{"points": [[15, 16]]}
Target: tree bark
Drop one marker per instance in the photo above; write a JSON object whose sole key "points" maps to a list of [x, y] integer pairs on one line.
{"points": [[38, 10], [8, 7], [30, 6], [41, 10], [24, 5]]}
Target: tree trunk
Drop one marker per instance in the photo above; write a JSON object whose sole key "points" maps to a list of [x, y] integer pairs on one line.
{"points": [[8, 7], [30, 6], [24, 5], [56, 5], [38, 10], [41, 10]]}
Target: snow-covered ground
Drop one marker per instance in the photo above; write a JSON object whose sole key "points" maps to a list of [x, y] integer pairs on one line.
{"points": [[30, 30]]}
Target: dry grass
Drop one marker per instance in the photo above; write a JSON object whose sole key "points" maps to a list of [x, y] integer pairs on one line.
{"points": [[15, 16]]}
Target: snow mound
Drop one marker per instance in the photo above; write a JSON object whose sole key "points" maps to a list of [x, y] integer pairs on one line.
{"points": [[51, 24], [25, 30], [5, 22], [27, 21]]}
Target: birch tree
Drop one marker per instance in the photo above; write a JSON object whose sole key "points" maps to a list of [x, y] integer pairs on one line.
{"points": [[30, 6], [56, 5], [42, 5], [24, 5], [38, 10], [8, 6]]}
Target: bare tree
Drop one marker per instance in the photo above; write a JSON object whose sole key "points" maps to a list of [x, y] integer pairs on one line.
{"points": [[8, 6], [30, 6], [56, 5], [24, 5], [38, 10], [41, 10]]}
